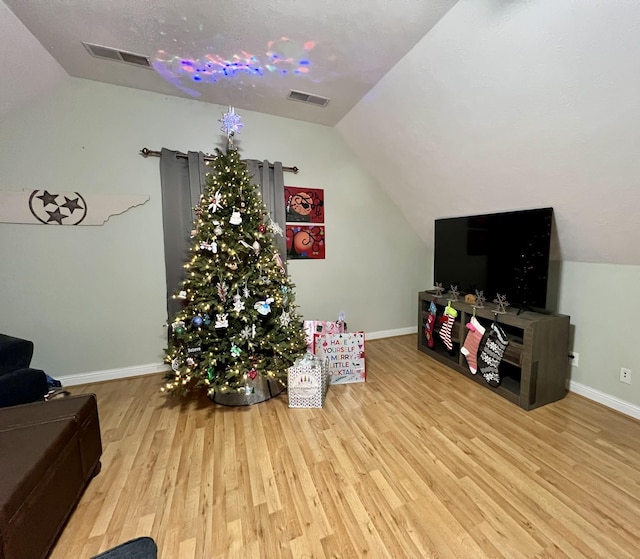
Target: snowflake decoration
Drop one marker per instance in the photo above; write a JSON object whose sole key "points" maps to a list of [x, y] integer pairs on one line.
{"points": [[274, 227], [216, 202], [480, 299], [248, 332], [439, 289], [501, 302], [285, 319], [245, 292], [454, 292], [238, 303], [230, 122]]}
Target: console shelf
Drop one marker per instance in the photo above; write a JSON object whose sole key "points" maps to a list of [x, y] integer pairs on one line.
{"points": [[535, 365]]}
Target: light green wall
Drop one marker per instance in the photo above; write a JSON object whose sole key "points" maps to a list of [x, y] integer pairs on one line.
{"points": [[604, 306], [93, 298]]}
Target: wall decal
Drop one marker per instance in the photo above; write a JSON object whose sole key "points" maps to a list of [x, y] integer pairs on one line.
{"points": [[67, 208]]}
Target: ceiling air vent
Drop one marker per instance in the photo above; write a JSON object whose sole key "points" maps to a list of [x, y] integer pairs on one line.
{"points": [[308, 98], [117, 55]]}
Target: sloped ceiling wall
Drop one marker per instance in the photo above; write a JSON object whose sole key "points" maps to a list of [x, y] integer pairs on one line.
{"points": [[28, 70], [510, 105]]}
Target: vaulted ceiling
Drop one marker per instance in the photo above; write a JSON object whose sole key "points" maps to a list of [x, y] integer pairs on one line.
{"points": [[456, 107], [246, 53]]}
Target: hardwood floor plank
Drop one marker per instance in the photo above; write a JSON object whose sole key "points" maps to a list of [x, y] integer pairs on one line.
{"points": [[419, 461]]}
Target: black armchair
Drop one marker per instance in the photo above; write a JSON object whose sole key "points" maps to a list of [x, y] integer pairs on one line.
{"points": [[19, 383]]}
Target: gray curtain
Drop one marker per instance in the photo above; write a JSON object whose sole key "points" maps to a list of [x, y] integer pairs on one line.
{"points": [[182, 181], [270, 180]]}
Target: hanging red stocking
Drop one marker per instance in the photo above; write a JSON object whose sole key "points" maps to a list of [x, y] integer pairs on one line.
{"points": [[471, 344], [448, 318], [431, 322]]}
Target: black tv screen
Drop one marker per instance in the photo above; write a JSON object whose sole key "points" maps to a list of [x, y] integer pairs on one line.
{"points": [[505, 253]]}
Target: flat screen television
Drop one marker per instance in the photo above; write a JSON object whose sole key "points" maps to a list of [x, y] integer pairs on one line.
{"points": [[506, 253]]}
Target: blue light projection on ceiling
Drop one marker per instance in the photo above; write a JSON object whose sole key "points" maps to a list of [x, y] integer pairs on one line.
{"points": [[284, 57]]}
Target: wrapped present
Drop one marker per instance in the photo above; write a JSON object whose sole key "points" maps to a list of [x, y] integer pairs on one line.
{"points": [[308, 380], [313, 327], [344, 354]]}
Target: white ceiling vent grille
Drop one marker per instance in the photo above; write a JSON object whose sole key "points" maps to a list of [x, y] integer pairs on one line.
{"points": [[117, 55], [308, 98]]}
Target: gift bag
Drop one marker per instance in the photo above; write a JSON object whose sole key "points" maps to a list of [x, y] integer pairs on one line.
{"points": [[307, 382], [344, 354], [313, 327]]}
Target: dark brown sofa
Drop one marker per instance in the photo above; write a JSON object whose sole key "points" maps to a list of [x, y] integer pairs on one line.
{"points": [[49, 451]]}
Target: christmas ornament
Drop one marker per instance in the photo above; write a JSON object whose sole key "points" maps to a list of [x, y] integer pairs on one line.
{"points": [[236, 218], [230, 122], [178, 324], [222, 321], [245, 292], [279, 262], [212, 246], [256, 247], [235, 350], [252, 373], [248, 332], [238, 304], [223, 289], [207, 320], [216, 202], [175, 364], [182, 295], [232, 265], [264, 307], [262, 228], [274, 227], [197, 321], [285, 319], [218, 229], [190, 361]]}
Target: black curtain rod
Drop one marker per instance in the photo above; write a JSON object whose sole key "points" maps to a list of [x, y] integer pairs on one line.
{"points": [[146, 152]]}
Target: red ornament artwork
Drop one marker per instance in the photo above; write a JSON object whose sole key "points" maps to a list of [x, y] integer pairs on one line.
{"points": [[305, 241]]}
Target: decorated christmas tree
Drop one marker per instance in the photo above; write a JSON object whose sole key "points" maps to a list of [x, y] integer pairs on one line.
{"points": [[239, 321]]}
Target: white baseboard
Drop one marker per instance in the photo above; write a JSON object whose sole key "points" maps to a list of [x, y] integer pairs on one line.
{"points": [[390, 333], [605, 399], [112, 374], [139, 370]]}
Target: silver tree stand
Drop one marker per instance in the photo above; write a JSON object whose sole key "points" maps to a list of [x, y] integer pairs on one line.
{"points": [[258, 390]]}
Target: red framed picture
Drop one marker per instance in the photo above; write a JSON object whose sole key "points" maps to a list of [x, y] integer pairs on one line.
{"points": [[305, 241], [304, 204]]}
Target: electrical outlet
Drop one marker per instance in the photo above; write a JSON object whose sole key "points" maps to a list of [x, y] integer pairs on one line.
{"points": [[576, 359], [625, 375]]}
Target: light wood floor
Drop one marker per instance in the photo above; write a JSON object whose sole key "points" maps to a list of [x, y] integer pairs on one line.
{"points": [[417, 462]]}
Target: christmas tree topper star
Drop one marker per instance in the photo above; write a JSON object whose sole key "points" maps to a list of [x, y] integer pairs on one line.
{"points": [[230, 122]]}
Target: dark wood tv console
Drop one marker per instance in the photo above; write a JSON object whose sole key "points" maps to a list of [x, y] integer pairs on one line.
{"points": [[535, 365]]}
